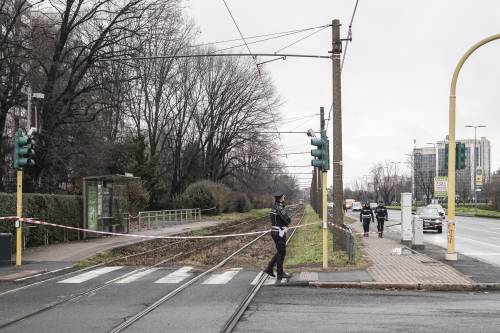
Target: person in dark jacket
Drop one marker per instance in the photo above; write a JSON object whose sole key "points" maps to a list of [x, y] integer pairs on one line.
{"points": [[365, 217], [279, 223], [381, 215]]}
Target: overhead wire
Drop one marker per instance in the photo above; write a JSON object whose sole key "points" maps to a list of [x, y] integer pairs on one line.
{"points": [[303, 38], [348, 39], [258, 69]]}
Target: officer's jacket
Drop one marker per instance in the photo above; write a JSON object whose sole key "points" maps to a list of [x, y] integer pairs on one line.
{"points": [[366, 215], [381, 212], [279, 216]]}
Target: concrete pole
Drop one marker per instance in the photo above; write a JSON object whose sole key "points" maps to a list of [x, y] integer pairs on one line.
{"points": [[338, 188], [451, 252]]}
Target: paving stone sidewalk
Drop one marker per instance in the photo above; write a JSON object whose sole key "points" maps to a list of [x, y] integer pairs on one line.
{"points": [[391, 263]]}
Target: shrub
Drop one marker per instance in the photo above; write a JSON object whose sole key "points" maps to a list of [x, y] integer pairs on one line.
{"points": [[239, 202], [138, 197], [261, 201], [181, 201], [60, 209], [207, 194]]}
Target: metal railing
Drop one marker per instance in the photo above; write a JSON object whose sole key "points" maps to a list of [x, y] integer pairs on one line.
{"points": [[163, 218]]}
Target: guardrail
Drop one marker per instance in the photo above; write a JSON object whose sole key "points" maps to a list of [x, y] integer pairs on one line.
{"points": [[162, 218]]}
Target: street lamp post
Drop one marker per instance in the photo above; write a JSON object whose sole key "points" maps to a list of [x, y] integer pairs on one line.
{"points": [[475, 163]]}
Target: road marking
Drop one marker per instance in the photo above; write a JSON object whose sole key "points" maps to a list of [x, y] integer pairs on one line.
{"points": [[270, 280], [90, 275], [222, 278], [256, 279], [177, 276], [41, 274], [136, 276]]}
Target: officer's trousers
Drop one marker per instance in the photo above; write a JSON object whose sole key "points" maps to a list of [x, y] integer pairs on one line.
{"points": [[366, 226], [380, 225], [279, 257]]}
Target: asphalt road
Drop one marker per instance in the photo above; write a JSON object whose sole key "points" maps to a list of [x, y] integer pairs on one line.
{"points": [[203, 307], [287, 309], [476, 237]]}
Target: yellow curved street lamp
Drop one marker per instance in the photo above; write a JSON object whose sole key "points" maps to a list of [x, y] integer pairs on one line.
{"points": [[451, 252]]}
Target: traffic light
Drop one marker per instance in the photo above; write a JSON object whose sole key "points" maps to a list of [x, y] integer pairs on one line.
{"points": [[23, 150], [459, 156], [322, 160]]}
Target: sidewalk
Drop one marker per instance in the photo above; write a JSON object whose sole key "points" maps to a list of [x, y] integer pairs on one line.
{"points": [[47, 259], [392, 265]]}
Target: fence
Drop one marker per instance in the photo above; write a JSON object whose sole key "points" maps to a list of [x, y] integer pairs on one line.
{"points": [[347, 242], [163, 218]]}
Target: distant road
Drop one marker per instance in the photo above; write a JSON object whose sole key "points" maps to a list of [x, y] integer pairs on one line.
{"points": [[476, 237]]}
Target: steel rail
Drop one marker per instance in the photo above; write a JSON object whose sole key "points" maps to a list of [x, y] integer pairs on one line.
{"points": [[130, 321], [240, 310]]}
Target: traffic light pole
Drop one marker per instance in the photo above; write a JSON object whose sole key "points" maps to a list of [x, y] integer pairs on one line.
{"points": [[19, 213], [451, 253], [324, 183]]}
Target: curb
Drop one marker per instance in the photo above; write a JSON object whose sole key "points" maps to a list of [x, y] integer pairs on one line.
{"points": [[408, 286]]}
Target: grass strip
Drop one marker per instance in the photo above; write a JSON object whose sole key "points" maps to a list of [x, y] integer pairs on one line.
{"points": [[306, 246]]}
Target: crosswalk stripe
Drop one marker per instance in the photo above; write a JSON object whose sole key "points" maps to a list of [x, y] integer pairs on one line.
{"points": [[222, 278], [91, 274], [135, 276], [177, 276], [270, 280], [256, 279]]}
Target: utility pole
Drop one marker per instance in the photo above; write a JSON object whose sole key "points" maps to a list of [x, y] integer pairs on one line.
{"points": [[338, 188]]}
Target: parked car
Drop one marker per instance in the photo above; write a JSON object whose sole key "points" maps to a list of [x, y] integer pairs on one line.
{"points": [[356, 206], [348, 203], [439, 208], [431, 218], [373, 205]]}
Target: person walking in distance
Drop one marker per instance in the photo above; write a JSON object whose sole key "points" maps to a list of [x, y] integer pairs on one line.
{"points": [[365, 217], [381, 215], [279, 223]]}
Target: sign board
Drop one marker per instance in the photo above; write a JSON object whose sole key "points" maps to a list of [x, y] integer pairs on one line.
{"points": [[479, 181], [440, 187]]}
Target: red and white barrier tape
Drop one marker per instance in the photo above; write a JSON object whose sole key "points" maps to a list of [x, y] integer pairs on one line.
{"points": [[41, 222], [8, 217]]}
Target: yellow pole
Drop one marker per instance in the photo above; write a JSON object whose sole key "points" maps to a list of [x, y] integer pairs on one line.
{"points": [[451, 252], [324, 182], [19, 213]]}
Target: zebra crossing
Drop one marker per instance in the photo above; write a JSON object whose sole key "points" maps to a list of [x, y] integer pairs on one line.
{"points": [[175, 277]]}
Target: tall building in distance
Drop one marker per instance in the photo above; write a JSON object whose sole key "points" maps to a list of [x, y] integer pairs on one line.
{"points": [[426, 167]]}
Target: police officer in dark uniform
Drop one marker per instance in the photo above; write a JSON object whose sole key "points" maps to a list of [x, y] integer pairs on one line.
{"points": [[381, 215], [279, 223], [365, 217]]}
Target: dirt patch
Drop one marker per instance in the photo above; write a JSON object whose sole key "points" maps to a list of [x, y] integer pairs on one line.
{"points": [[206, 253]]}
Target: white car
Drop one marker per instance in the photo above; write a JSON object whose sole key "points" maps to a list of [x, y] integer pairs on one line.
{"points": [[356, 206], [440, 209]]}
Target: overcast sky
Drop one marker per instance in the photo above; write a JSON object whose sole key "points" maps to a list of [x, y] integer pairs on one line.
{"points": [[396, 77]]}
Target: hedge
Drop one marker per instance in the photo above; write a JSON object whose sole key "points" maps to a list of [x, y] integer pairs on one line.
{"points": [[60, 209]]}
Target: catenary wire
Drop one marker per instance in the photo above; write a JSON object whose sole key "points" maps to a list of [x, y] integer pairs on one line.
{"points": [[301, 39]]}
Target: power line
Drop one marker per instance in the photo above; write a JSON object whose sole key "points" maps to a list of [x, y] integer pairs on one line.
{"points": [[237, 27], [349, 35], [206, 55], [301, 39], [283, 33]]}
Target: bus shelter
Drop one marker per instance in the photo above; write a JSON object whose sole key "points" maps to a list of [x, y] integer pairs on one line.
{"points": [[106, 203]]}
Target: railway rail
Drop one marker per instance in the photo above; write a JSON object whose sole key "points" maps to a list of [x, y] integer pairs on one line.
{"points": [[171, 258]]}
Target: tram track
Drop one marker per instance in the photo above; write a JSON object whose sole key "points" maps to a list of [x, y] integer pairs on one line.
{"points": [[101, 286], [234, 318]]}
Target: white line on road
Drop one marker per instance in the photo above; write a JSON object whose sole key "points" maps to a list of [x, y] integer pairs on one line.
{"points": [[90, 275], [136, 276], [222, 278], [177, 276]]}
